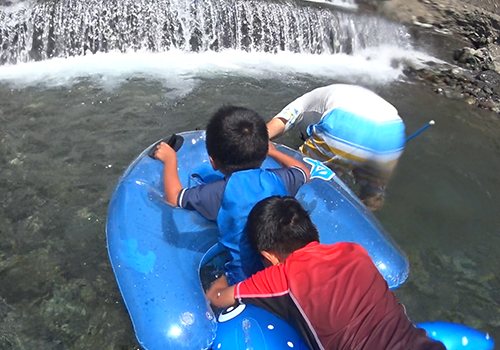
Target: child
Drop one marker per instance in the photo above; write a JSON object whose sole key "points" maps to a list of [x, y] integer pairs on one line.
{"points": [[350, 129], [333, 295], [237, 144]]}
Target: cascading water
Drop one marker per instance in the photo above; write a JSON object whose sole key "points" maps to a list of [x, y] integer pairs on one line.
{"points": [[39, 31]]}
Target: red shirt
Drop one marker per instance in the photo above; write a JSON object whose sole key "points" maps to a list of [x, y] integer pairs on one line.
{"points": [[336, 298]]}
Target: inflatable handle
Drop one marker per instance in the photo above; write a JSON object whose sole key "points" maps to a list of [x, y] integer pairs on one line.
{"points": [[456, 336], [175, 141]]}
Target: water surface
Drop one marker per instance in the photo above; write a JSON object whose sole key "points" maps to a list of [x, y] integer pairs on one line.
{"points": [[64, 148]]}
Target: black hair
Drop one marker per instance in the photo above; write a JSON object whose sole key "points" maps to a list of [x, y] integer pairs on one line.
{"points": [[281, 225], [237, 139]]}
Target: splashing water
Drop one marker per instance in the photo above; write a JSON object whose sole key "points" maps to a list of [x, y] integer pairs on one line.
{"points": [[39, 31]]}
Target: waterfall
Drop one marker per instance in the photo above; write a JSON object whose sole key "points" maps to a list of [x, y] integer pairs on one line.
{"points": [[43, 30]]}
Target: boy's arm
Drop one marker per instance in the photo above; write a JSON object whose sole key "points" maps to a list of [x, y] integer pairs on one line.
{"points": [[276, 127], [220, 295], [171, 181], [287, 161]]}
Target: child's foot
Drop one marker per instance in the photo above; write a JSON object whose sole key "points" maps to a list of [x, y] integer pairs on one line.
{"points": [[372, 196], [374, 201]]}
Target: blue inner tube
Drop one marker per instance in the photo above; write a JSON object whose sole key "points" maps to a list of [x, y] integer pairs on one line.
{"points": [[156, 250]]}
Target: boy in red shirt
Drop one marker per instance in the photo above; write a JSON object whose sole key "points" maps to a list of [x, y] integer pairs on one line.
{"points": [[333, 295]]}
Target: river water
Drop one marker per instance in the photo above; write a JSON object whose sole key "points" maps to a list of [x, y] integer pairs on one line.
{"points": [[69, 127]]}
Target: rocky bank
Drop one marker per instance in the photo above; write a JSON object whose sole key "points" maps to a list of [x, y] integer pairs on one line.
{"points": [[470, 30]]}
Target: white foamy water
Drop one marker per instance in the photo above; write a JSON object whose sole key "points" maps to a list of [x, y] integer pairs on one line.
{"points": [[17, 6], [65, 28], [180, 69], [342, 4]]}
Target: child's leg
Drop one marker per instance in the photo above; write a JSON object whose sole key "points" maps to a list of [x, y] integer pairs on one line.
{"points": [[372, 186]]}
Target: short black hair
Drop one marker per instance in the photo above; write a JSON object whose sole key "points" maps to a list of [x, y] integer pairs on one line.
{"points": [[237, 139], [281, 225]]}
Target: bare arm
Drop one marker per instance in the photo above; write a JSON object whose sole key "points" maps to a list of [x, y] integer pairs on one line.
{"points": [[171, 181], [287, 161], [276, 127], [220, 295]]}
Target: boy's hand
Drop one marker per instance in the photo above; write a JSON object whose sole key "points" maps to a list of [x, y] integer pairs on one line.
{"points": [[164, 152], [220, 294], [171, 182], [272, 149]]}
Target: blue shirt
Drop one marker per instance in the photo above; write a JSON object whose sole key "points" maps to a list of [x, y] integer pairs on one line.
{"points": [[206, 199]]}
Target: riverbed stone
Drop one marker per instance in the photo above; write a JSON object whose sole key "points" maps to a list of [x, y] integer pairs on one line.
{"points": [[476, 76]]}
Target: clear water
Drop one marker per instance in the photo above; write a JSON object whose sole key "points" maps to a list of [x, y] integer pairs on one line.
{"points": [[70, 127], [64, 147]]}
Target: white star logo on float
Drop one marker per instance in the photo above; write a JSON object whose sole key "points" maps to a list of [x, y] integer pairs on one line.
{"points": [[319, 170]]}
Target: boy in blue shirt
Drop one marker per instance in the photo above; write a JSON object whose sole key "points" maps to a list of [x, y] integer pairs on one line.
{"points": [[237, 143]]}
